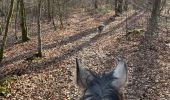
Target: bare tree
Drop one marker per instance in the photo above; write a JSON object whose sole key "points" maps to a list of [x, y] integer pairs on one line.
{"points": [[60, 13], [153, 22], [23, 22], [6, 29], [163, 4], [39, 54], [53, 16], [119, 6], [49, 9], [125, 5], [0, 29], [16, 18], [96, 4], [1, 13]]}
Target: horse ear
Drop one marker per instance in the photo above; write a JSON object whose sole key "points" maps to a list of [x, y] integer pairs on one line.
{"points": [[83, 76], [120, 73]]}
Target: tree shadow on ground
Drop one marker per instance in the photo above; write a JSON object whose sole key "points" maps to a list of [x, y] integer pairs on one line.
{"points": [[49, 46], [69, 52], [147, 76], [146, 70]]}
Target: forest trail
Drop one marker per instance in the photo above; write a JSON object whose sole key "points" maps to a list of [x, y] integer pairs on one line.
{"points": [[52, 77]]}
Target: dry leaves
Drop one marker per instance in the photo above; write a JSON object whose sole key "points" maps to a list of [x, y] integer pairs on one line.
{"points": [[53, 77]]}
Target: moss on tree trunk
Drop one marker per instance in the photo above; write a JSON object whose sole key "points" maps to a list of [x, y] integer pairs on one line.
{"points": [[6, 30], [23, 22], [0, 29]]}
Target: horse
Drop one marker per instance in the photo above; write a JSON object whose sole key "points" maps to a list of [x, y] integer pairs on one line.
{"points": [[107, 86]]}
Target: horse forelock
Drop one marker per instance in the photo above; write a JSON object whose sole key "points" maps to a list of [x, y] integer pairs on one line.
{"points": [[101, 89]]}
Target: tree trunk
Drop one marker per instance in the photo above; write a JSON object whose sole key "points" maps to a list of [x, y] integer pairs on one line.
{"points": [[118, 7], [163, 4], [0, 29], [125, 5], [156, 11], [6, 29], [116, 3], [61, 21], [49, 10], [153, 22], [53, 16], [39, 29], [60, 15], [1, 13], [23, 22], [95, 4], [16, 17]]}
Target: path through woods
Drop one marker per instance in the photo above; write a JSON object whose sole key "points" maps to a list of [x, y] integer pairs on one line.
{"points": [[52, 77]]}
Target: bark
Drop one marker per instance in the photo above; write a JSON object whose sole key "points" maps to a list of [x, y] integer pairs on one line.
{"points": [[0, 29], [153, 22], [116, 3], [16, 17], [119, 6], [53, 20], [125, 5], [60, 14], [49, 10], [2, 13], [163, 4], [6, 30], [95, 4], [23, 22], [39, 30]]}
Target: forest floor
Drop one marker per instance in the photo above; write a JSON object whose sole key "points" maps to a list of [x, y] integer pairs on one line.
{"points": [[53, 76]]}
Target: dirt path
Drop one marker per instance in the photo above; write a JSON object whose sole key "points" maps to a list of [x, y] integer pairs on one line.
{"points": [[52, 78]]}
